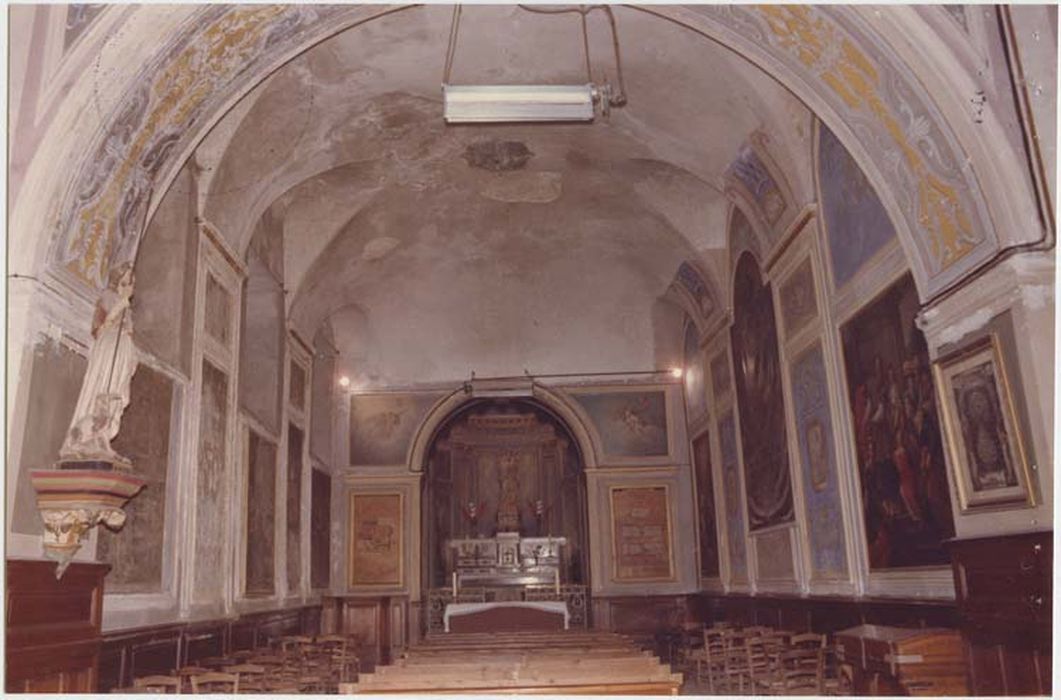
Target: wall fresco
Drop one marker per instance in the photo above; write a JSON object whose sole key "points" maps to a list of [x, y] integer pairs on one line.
{"points": [[705, 501], [630, 423], [749, 170], [856, 225], [821, 490], [210, 501], [382, 426], [261, 516], [135, 552], [798, 302], [294, 509], [320, 529], [693, 282], [720, 376], [734, 499], [693, 364]]}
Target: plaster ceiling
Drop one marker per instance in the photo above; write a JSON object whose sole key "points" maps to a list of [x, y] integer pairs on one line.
{"points": [[427, 266]]}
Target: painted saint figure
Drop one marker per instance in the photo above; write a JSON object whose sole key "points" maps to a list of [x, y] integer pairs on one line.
{"points": [[111, 364]]}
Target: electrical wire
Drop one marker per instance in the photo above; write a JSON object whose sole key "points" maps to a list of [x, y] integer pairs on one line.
{"points": [[451, 48]]}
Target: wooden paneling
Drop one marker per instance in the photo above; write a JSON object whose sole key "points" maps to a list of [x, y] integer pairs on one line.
{"points": [[53, 626], [823, 614], [1005, 597], [144, 651]]}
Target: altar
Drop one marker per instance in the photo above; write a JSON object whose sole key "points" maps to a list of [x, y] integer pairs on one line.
{"points": [[507, 616], [507, 559]]}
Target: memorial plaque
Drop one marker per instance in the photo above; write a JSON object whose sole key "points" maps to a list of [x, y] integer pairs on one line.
{"points": [[641, 534]]}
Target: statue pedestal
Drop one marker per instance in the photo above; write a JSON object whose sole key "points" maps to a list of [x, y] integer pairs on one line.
{"points": [[72, 501]]}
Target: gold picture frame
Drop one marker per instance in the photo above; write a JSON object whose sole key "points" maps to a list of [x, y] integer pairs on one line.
{"points": [[376, 534], [983, 436], [642, 550]]}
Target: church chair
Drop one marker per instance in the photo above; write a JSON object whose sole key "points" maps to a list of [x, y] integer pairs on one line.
{"points": [[735, 672], [807, 640], [185, 673], [215, 682], [710, 660], [762, 670], [800, 672], [217, 662], [251, 676], [158, 684]]}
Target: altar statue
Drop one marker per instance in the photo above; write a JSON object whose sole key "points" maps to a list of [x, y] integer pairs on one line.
{"points": [[111, 364], [508, 502]]}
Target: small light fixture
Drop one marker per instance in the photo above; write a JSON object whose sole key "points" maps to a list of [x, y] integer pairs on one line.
{"points": [[344, 381], [676, 372]]}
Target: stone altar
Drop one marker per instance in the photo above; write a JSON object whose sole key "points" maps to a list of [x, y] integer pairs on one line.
{"points": [[506, 559]]}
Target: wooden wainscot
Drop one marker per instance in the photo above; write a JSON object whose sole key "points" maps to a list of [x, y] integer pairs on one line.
{"points": [[903, 661], [53, 627]]}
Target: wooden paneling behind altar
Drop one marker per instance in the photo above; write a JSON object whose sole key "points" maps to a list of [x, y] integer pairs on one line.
{"points": [[503, 467]]}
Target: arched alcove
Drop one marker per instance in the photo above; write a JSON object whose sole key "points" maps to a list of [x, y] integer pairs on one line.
{"points": [[503, 465]]}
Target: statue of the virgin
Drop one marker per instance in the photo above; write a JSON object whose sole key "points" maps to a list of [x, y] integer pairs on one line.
{"points": [[111, 364]]}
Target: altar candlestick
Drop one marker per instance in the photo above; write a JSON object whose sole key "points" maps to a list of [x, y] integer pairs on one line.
{"points": [[556, 580], [454, 584]]}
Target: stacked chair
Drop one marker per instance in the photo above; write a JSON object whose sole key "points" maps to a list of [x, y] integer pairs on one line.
{"points": [[288, 665], [760, 660]]}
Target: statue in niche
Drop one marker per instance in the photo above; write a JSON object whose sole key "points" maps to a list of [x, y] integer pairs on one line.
{"points": [[508, 502], [105, 390]]}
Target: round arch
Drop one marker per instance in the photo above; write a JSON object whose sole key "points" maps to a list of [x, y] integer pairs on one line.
{"points": [[552, 401]]}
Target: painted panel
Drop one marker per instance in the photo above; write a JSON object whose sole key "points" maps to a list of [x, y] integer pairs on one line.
{"points": [[742, 237], [376, 539], [382, 426], [705, 500], [817, 452], [297, 386], [135, 553], [630, 423], [695, 396], [261, 516], [727, 436], [757, 379], [856, 224], [210, 499], [748, 169], [798, 303], [694, 283], [641, 534], [905, 497], [217, 310], [720, 377], [320, 529], [773, 552], [294, 508]]}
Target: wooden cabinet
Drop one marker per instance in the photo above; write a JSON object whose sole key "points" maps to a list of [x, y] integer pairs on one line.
{"points": [[53, 627], [903, 661], [1005, 600]]}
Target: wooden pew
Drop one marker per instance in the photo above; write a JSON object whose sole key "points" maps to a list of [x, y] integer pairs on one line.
{"points": [[565, 663]]}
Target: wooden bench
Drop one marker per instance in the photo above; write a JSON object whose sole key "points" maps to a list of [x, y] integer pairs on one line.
{"points": [[564, 663]]}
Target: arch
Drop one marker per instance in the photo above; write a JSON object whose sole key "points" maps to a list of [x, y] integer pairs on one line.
{"points": [[937, 200], [447, 407]]}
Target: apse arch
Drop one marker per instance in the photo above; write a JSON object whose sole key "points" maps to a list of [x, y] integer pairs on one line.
{"points": [[764, 39], [550, 400], [462, 483]]}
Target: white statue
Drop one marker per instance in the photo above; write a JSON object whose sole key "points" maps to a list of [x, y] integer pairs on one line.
{"points": [[111, 364]]}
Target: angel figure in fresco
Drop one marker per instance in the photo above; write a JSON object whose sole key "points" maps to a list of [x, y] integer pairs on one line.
{"points": [[111, 364]]}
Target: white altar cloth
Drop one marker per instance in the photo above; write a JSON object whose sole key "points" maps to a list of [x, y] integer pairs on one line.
{"points": [[553, 606]]}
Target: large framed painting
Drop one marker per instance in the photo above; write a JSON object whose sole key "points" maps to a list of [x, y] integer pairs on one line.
{"points": [[641, 534], [705, 501], [905, 497], [376, 539], [757, 380], [985, 443]]}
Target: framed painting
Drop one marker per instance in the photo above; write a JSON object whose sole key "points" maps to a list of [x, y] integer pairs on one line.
{"points": [[641, 534], [376, 529], [988, 459]]}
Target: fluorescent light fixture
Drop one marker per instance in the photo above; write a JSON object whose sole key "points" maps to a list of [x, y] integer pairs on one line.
{"points": [[517, 103]]}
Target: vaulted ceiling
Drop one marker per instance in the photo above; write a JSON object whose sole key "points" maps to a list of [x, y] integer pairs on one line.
{"points": [[436, 250]]}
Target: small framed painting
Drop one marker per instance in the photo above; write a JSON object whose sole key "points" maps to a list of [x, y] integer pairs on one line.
{"points": [[376, 539], [641, 534], [983, 435]]}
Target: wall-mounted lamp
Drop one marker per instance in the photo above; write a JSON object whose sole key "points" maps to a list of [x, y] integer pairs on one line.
{"points": [[677, 372], [344, 381]]}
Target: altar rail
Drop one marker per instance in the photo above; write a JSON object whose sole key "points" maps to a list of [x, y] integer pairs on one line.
{"points": [[574, 595]]}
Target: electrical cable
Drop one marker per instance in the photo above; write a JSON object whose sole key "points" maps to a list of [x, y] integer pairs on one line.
{"points": [[451, 48]]}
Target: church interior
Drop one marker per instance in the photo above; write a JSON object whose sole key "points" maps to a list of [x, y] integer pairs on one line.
{"points": [[611, 349]]}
